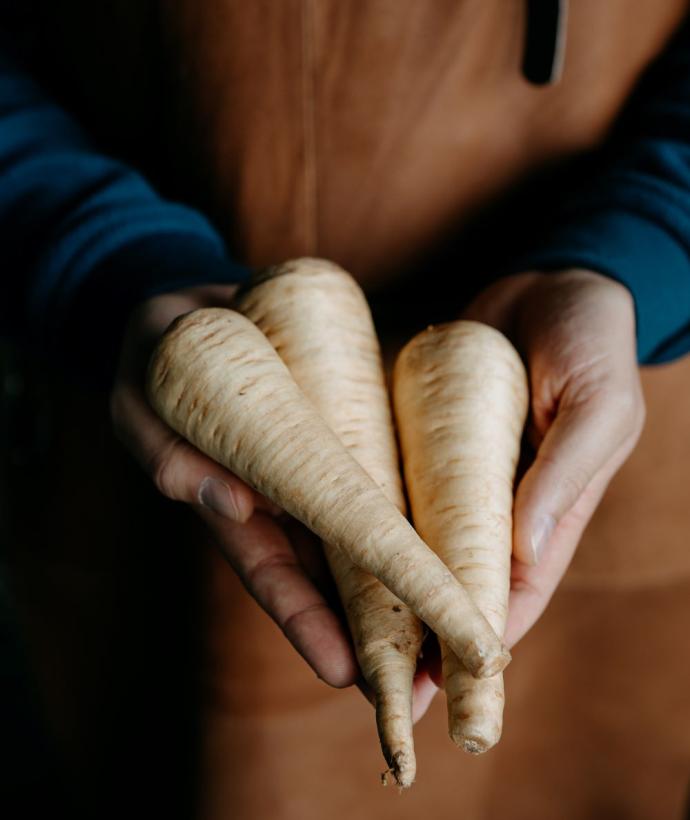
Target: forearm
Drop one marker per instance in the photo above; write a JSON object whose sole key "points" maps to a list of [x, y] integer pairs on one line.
{"points": [[630, 218], [83, 236]]}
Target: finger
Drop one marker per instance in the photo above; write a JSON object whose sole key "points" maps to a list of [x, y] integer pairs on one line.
{"points": [[261, 554], [430, 659], [424, 690], [531, 587], [495, 305], [583, 438], [428, 677], [179, 470]]}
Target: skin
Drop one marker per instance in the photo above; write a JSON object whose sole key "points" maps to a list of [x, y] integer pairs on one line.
{"points": [[280, 567], [278, 560], [574, 329]]}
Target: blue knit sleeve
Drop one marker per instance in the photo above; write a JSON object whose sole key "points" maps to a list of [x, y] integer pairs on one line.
{"points": [[631, 219], [84, 237]]}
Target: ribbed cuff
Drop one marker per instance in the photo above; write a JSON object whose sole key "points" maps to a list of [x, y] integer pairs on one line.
{"points": [[639, 254], [87, 335]]}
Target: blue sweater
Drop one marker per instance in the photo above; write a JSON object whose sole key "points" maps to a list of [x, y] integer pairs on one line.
{"points": [[83, 237]]}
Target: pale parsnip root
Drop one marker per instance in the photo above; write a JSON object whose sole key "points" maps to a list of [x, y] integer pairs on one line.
{"points": [[317, 318], [219, 383], [460, 395]]}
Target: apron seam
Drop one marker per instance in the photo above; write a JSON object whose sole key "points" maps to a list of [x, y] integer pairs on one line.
{"points": [[310, 175]]}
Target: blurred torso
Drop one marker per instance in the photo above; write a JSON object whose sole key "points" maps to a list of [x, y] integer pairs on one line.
{"points": [[363, 132]]}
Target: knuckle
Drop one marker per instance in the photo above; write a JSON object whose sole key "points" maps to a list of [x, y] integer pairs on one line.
{"points": [[571, 479], [263, 570], [291, 622], [574, 482], [162, 468], [628, 407], [622, 405], [641, 417], [625, 401]]}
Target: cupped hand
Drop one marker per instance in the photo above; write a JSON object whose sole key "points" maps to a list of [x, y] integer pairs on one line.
{"points": [[576, 332], [279, 562]]}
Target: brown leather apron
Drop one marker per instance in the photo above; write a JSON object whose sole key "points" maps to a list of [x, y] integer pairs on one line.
{"points": [[363, 132]]}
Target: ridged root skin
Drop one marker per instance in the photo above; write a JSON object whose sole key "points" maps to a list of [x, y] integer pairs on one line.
{"points": [[394, 718], [216, 380], [316, 317], [461, 396], [475, 708]]}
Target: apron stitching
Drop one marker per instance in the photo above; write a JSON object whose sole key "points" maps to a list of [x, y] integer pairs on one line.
{"points": [[309, 127]]}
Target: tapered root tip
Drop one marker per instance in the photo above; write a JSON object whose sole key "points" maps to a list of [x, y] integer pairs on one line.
{"points": [[473, 740], [475, 746], [403, 768]]}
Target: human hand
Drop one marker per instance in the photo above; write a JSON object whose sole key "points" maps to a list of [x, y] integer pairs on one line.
{"points": [[280, 563], [576, 333]]}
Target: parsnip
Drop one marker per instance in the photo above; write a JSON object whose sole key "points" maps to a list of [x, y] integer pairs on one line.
{"points": [[460, 396], [219, 383], [316, 317]]}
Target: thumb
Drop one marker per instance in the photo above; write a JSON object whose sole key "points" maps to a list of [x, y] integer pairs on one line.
{"points": [[178, 470], [587, 440], [182, 473]]}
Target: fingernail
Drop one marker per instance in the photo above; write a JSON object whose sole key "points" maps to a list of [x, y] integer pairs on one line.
{"points": [[217, 496], [541, 536]]}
